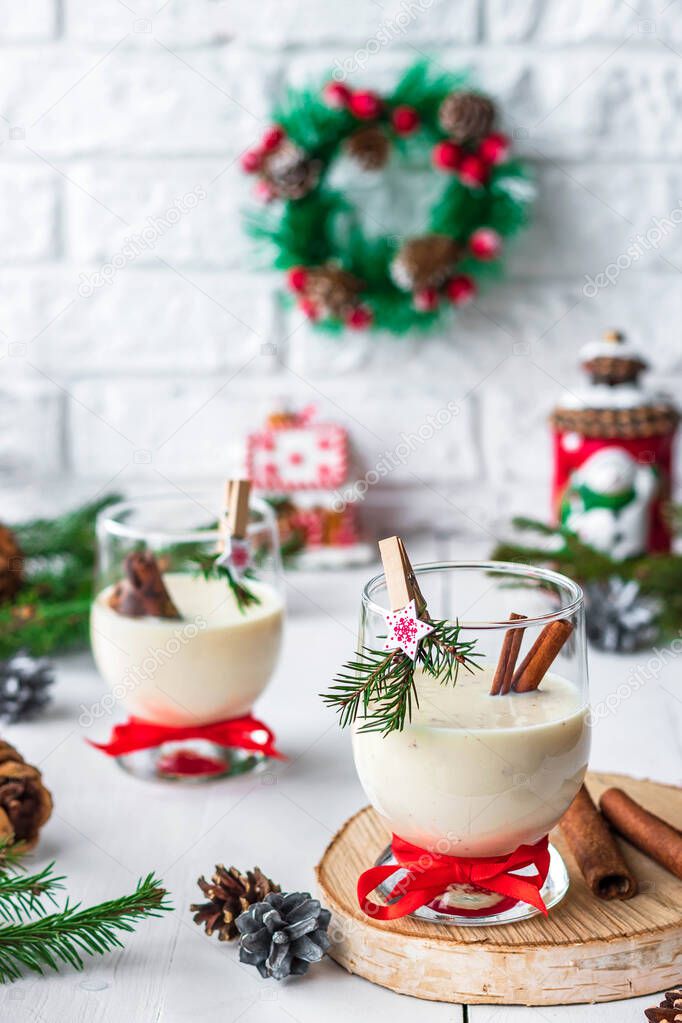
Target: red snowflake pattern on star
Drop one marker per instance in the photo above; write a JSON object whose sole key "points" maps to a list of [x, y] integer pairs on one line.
{"points": [[405, 630]]}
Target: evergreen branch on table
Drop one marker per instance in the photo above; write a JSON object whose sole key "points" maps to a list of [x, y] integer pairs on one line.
{"points": [[657, 575], [379, 687], [21, 894], [64, 937], [208, 565]]}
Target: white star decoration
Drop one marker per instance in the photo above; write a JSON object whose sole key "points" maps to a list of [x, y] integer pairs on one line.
{"points": [[405, 630]]}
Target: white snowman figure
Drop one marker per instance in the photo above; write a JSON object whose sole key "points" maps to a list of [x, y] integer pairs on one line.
{"points": [[608, 501]]}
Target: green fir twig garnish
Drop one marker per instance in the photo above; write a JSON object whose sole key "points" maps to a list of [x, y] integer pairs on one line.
{"points": [[49, 941], [209, 565], [379, 687]]}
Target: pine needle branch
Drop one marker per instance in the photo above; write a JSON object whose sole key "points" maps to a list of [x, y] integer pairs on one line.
{"points": [[22, 895], [209, 566], [66, 936], [379, 688]]}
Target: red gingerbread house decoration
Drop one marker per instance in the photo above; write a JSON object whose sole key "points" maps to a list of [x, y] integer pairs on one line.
{"points": [[300, 464]]}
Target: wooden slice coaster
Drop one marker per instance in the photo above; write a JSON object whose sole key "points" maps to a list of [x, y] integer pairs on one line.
{"points": [[586, 951]]}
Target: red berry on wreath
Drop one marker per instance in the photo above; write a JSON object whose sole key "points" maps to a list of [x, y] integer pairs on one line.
{"points": [[359, 318], [426, 300], [272, 139], [297, 278], [485, 243], [446, 156], [264, 192], [405, 120], [251, 160], [460, 290], [336, 94], [494, 148], [473, 171], [308, 308], [365, 105]]}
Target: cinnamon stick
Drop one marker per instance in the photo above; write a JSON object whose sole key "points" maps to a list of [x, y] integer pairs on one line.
{"points": [[511, 644], [143, 591], [539, 658], [595, 850], [654, 836]]}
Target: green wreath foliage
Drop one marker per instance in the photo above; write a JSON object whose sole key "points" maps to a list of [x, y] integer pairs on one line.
{"points": [[320, 229]]}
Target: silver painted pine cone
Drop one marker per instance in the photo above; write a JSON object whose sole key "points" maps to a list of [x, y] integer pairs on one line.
{"points": [[284, 934]]}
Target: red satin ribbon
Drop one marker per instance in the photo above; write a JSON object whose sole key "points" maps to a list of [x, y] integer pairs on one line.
{"points": [[240, 733], [429, 874]]}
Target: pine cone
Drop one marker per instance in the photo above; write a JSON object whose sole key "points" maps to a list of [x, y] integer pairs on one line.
{"points": [[425, 262], [230, 893], [284, 934], [24, 685], [143, 591], [466, 116], [670, 1007], [289, 171], [369, 147], [11, 565], [25, 803], [333, 291]]}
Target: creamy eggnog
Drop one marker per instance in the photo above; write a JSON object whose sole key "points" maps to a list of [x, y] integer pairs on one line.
{"points": [[210, 665], [474, 774]]}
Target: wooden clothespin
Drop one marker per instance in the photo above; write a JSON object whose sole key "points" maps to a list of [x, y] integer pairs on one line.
{"points": [[401, 581], [235, 519]]}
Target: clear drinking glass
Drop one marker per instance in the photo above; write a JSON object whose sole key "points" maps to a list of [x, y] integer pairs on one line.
{"points": [[476, 775], [208, 666]]}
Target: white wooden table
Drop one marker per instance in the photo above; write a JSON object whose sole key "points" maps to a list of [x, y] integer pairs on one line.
{"points": [[108, 829]]}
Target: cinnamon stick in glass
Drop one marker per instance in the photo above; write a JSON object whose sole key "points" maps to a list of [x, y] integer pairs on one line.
{"points": [[654, 836], [599, 858], [142, 591], [540, 657], [511, 644]]}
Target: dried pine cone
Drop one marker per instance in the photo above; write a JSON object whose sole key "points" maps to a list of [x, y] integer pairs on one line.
{"points": [[369, 147], [283, 935], [25, 682], [230, 893], [466, 116], [25, 803], [425, 262], [670, 1007], [289, 171], [11, 565], [333, 291]]}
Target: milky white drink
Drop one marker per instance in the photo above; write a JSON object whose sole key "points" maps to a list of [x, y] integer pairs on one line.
{"points": [[211, 665], [474, 774]]}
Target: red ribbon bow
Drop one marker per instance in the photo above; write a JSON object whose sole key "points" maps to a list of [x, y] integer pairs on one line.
{"points": [[240, 733], [429, 875]]}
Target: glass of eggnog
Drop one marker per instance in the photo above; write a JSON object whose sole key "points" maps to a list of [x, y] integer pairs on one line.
{"points": [[178, 649], [482, 767]]}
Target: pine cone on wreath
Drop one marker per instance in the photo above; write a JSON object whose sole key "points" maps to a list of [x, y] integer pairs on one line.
{"points": [[289, 171], [230, 893], [24, 685], [25, 803], [369, 147], [11, 565], [333, 291], [466, 117], [425, 262], [284, 934]]}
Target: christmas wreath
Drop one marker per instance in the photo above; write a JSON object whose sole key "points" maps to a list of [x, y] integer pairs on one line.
{"points": [[339, 274]]}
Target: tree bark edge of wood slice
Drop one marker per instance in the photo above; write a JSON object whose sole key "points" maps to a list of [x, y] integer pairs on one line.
{"points": [[587, 950]]}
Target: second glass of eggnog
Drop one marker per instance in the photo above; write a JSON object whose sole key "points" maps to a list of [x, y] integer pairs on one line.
{"points": [[211, 662], [474, 774]]}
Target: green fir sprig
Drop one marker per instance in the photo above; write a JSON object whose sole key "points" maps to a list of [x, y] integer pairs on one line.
{"points": [[211, 568], [379, 687], [64, 937], [658, 575], [50, 612]]}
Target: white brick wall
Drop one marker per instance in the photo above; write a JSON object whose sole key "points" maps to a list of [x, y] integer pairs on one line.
{"points": [[113, 113]]}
